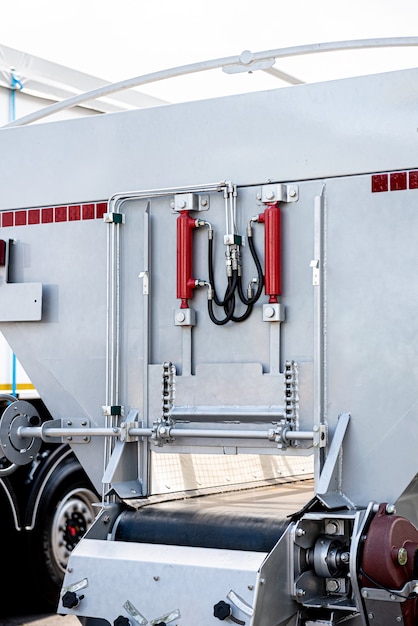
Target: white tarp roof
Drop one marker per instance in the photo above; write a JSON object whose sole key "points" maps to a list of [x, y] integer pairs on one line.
{"points": [[44, 79]]}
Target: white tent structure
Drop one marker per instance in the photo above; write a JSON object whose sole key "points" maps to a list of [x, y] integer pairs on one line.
{"points": [[29, 83]]}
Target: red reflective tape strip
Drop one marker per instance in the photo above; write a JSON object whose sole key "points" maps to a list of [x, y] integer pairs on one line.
{"points": [[7, 219], [413, 180], [398, 181], [60, 214], [49, 215], [20, 218], [74, 212], [88, 211], [395, 181], [101, 209], [34, 216], [380, 182]]}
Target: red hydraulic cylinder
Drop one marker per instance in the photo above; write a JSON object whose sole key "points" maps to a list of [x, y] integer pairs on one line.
{"points": [[272, 250], [185, 280]]}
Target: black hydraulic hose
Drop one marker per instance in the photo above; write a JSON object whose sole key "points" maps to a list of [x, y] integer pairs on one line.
{"points": [[244, 316], [214, 319], [260, 281], [231, 284], [230, 309], [234, 284], [229, 305]]}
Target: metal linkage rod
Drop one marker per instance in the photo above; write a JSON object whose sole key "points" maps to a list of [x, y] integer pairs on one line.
{"points": [[134, 431]]}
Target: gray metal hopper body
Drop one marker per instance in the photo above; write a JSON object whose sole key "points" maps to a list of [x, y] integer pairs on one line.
{"points": [[88, 298]]}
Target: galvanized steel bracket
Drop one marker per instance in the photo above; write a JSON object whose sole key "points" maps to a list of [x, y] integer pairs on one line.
{"points": [[278, 192]]}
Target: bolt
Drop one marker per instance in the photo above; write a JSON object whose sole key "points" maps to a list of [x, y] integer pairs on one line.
{"points": [[331, 528], [106, 519], [246, 57], [333, 585], [345, 557], [399, 618], [390, 509], [71, 600], [181, 204], [156, 578], [370, 615], [259, 194], [222, 610], [300, 532], [300, 593], [269, 311], [204, 202], [270, 195], [292, 192], [69, 438], [251, 587], [402, 556]]}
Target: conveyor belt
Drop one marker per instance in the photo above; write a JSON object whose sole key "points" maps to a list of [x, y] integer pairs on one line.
{"points": [[249, 519]]}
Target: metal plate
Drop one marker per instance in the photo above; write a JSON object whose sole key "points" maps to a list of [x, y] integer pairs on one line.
{"points": [[17, 449]]}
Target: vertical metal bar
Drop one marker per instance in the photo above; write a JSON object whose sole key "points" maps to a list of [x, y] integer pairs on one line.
{"points": [[144, 447], [113, 331], [319, 324], [186, 350], [116, 381], [106, 446], [14, 376], [275, 348]]}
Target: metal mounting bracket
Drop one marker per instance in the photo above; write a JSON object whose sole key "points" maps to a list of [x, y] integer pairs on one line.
{"points": [[278, 192], [329, 485], [190, 202]]}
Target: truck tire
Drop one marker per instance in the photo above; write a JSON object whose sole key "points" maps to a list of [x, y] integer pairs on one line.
{"points": [[66, 511]]}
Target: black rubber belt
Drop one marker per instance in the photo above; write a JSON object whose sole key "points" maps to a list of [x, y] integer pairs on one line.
{"points": [[228, 521]]}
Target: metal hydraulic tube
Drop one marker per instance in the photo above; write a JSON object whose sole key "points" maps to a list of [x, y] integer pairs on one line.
{"points": [[272, 250], [185, 280]]}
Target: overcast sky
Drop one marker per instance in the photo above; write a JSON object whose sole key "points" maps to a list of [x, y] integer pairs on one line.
{"points": [[120, 39]]}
